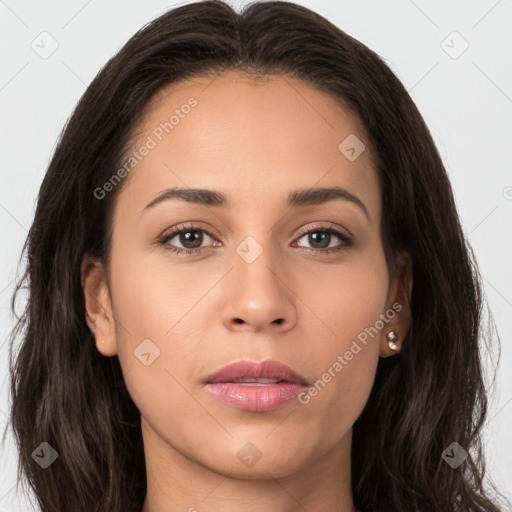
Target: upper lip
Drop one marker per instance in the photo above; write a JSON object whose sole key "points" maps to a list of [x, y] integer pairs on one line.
{"points": [[268, 369]]}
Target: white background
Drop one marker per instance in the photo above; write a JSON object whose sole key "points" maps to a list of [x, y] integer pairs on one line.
{"points": [[466, 102]]}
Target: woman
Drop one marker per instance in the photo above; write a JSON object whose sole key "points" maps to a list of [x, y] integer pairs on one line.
{"points": [[187, 345]]}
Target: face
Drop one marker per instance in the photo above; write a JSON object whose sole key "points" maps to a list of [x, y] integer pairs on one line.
{"points": [[264, 268]]}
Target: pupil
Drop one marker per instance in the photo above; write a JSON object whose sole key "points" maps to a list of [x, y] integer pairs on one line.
{"points": [[321, 237], [193, 237]]}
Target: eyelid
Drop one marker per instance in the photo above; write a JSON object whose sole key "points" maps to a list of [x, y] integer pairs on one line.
{"points": [[309, 228], [343, 234], [192, 226]]}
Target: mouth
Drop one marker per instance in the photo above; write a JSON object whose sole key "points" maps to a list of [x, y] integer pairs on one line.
{"points": [[257, 382], [254, 372], [256, 386]]}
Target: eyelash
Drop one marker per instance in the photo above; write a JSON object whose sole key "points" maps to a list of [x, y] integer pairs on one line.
{"points": [[345, 238]]}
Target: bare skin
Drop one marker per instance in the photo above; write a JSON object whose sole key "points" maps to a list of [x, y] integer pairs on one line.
{"points": [[254, 141]]}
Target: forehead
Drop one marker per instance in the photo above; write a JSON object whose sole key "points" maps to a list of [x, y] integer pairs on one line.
{"points": [[258, 101], [248, 136]]}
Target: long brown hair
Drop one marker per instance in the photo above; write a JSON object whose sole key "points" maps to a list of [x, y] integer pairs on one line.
{"points": [[433, 393]]}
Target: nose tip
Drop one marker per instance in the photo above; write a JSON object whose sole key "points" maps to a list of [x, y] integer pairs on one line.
{"points": [[258, 299]]}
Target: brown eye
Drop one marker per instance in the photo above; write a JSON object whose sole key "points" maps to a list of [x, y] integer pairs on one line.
{"points": [[324, 239], [185, 239], [190, 239]]}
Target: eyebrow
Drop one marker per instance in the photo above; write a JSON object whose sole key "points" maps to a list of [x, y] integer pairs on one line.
{"points": [[296, 198]]}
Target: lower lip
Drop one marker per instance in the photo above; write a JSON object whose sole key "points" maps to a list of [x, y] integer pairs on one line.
{"points": [[257, 398]]}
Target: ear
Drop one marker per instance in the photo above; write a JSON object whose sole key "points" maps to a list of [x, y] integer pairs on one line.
{"points": [[399, 297], [98, 308]]}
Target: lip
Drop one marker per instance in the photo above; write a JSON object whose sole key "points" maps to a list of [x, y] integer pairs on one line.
{"points": [[256, 396], [245, 368]]}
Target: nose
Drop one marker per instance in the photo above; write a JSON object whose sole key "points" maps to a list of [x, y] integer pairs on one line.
{"points": [[258, 297]]}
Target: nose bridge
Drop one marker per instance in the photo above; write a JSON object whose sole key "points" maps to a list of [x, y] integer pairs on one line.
{"points": [[257, 297], [256, 265]]}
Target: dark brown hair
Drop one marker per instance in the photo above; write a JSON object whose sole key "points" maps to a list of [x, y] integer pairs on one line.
{"points": [[433, 393]]}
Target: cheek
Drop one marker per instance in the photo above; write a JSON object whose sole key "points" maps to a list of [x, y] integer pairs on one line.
{"points": [[347, 301], [347, 312], [151, 296], [159, 324]]}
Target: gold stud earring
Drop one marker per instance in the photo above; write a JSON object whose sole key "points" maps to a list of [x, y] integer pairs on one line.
{"points": [[392, 340]]}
